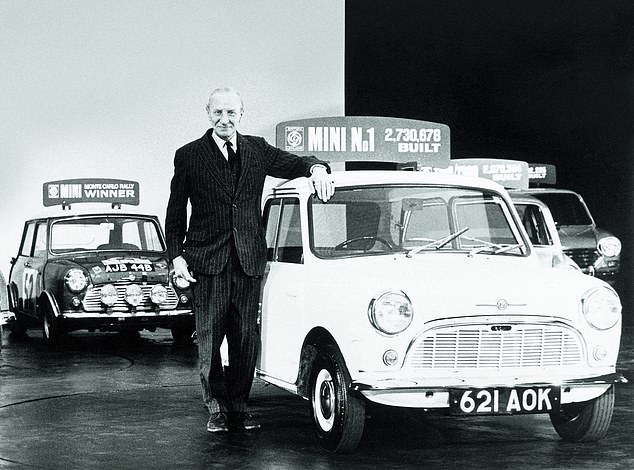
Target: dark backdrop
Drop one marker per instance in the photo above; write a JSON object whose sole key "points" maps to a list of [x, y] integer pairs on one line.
{"points": [[540, 81]]}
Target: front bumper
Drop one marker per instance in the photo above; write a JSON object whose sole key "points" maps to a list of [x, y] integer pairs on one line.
{"points": [[75, 320], [411, 393]]}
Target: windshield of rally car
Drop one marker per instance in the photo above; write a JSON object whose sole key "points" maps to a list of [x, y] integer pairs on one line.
{"points": [[105, 234], [413, 219]]}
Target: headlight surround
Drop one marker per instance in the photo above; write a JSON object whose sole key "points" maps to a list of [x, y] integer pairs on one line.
{"points": [[108, 295], [133, 294], [391, 312], [158, 294], [76, 280], [601, 308], [609, 246]]}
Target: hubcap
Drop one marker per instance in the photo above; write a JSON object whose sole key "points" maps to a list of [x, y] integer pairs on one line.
{"points": [[324, 400]]}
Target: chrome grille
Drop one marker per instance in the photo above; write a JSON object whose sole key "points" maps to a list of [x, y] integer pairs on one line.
{"points": [[466, 347], [92, 299], [584, 257]]}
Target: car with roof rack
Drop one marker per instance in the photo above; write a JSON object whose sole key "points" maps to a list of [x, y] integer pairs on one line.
{"points": [[422, 290], [94, 268]]}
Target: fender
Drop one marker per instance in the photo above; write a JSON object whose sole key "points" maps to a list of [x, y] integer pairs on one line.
{"points": [[46, 298]]}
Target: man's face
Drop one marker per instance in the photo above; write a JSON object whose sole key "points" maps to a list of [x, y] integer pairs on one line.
{"points": [[225, 111]]}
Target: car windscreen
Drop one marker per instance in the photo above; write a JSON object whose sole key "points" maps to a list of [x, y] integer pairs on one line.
{"points": [[105, 234], [566, 208], [373, 220]]}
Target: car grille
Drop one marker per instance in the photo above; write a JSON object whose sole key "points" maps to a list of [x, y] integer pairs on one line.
{"points": [[92, 299], [466, 347], [584, 257]]}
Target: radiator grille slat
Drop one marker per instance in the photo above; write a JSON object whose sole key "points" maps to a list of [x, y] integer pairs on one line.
{"points": [[480, 347]]}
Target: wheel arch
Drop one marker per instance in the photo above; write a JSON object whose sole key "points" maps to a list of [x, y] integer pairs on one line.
{"points": [[317, 338], [47, 304]]}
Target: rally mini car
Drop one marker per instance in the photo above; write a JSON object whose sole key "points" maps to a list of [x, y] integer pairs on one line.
{"points": [[423, 290], [96, 269]]}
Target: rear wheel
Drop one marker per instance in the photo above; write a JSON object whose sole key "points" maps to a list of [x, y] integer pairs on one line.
{"points": [[338, 415], [584, 422], [182, 332]]}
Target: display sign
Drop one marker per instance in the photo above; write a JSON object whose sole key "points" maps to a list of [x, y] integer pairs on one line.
{"points": [[114, 191], [541, 173], [508, 173], [342, 139]]}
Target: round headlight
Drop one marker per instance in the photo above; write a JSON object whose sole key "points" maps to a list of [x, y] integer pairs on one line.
{"points": [[391, 312], [76, 280], [158, 294], [602, 308], [133, 294], [181, 282], [609, 246], [108, 295]]}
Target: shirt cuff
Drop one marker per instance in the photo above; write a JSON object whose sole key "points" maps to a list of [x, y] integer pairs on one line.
{"points": [[312, 168]]}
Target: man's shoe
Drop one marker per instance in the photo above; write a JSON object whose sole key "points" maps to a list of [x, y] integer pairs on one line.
{"points": [[244, 422], [218, 422]]}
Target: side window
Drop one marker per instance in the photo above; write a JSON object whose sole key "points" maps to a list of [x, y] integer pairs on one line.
{"points": [[283, 231], [27, 242], [271, 219], [40, 240]]}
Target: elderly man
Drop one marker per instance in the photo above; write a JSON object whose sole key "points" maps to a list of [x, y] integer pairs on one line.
{"points": [[222, 249]]}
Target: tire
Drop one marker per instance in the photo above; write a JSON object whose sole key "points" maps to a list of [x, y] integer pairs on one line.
{"points": [[585, 422], [52, 330], [182, 333], [338, 415], [19, 326]]}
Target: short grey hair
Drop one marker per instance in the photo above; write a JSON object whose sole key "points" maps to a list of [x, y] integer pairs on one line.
{"points": [[225, 89]]}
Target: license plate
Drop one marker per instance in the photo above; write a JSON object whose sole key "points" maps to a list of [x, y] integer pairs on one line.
{"points": [[128, 267], [491, 401]]}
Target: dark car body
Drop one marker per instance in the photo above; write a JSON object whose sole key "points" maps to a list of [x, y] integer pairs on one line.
{"points": [[104, 271]]}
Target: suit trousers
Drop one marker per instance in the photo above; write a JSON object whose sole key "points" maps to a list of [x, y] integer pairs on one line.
{"points": [[226, 304]]}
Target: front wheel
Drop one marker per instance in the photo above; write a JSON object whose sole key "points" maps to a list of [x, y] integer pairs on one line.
{"points": [[338, 415], [52, 330], [585, 422]]}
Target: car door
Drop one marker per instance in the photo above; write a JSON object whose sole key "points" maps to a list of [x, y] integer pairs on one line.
{"points": [[20, 271], [282, 291]]}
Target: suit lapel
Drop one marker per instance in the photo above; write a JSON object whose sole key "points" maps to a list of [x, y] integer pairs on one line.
{"points": [[212, 162]]}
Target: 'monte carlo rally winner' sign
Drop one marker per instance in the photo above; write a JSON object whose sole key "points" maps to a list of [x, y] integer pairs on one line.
{"points": [[342, 139], [114, 191]]}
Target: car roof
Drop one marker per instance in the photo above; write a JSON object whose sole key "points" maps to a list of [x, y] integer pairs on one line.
{"points": [[370, 177], [544, 190], [526, 199]]}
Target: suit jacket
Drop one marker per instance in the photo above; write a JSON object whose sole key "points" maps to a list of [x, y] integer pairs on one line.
{"points": [[223, 215]]}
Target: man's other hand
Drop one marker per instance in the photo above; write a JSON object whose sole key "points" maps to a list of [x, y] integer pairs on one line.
{"points": [[181, 269]]}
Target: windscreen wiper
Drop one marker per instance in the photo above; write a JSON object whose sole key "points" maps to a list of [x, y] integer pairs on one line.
{"points": [[438, 244]]}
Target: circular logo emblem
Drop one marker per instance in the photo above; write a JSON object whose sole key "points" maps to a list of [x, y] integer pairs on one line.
{"points": [[294, 138], [502, 304]]}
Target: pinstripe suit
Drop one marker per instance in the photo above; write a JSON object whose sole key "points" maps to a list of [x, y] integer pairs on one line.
{"points": [[224, 245]]}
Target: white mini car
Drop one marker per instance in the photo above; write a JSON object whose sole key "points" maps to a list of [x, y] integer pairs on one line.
{"points": [[542, 231], [422, 290]]}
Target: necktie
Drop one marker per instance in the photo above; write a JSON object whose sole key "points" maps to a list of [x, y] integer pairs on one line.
{"points": [[231, 154], [234, 164]]}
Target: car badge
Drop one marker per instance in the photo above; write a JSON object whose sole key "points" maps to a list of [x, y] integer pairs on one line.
{"points": [[502, 304], [132, 277]]}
